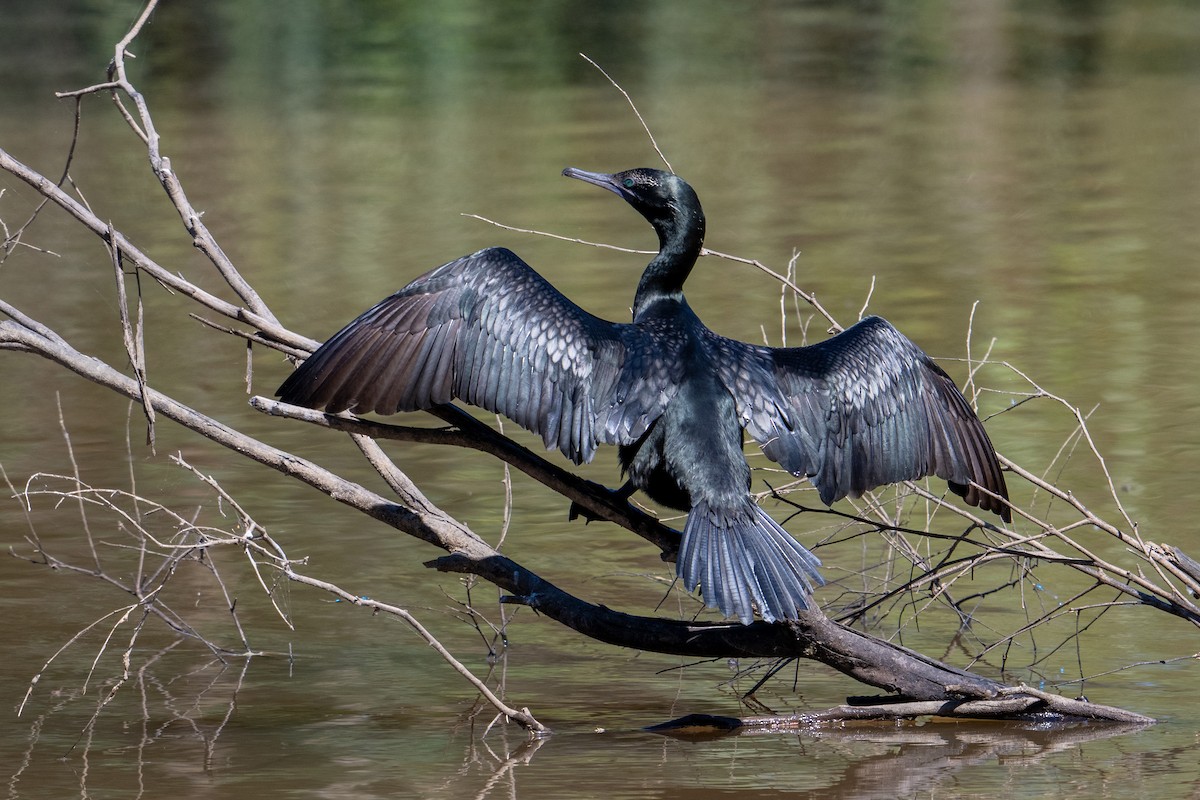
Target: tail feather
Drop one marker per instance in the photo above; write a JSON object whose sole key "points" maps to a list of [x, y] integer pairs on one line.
{"points": [[723, 561], [741, 559]]}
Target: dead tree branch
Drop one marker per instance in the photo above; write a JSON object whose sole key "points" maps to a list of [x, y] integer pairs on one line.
{"points": [[912, 576]]}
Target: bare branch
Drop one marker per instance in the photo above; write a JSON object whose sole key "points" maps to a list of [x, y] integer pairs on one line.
{"points": [[910, 570], [633, 106], [522, 716]]}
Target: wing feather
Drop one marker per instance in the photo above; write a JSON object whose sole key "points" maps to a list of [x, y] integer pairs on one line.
{"points": [[489, 330], [860, 410]]}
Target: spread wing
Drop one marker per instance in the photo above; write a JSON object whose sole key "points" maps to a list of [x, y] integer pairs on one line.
{"points": [[862, 409], [489, 330]]}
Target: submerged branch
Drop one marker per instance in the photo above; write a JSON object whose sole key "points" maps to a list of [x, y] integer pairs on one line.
{"points": [[1016, 704]]}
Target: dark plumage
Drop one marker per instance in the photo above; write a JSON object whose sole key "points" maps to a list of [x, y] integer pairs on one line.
{"points": [[862, 409]]}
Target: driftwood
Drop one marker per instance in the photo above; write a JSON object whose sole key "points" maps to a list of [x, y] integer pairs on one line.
{"points": [[925, 685], [868, 659], [1021, 704]]}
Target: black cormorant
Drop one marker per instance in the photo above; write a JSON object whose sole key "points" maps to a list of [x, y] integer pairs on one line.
{"points": [[861, 409]]}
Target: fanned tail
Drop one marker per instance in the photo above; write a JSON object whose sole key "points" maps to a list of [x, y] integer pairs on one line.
{"points": [[743, 559]]}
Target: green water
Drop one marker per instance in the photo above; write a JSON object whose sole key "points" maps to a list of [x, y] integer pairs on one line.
{"points": [[1039, 159]]}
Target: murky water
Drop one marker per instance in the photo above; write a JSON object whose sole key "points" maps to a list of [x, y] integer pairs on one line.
{"points": [[1039, 160]]}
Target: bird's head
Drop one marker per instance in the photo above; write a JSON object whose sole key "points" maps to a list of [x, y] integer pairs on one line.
{"points": [[663, 198]]}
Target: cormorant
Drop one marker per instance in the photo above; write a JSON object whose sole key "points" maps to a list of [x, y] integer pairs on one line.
{"points": [[861, 409]]}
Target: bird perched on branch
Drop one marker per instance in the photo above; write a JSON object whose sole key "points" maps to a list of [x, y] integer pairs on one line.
{"points": [[862, 409]]}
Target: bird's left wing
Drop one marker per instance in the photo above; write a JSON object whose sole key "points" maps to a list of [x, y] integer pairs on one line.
{"points": [[862, 409]]}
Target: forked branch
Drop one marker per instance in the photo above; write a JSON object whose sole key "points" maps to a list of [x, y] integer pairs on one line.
{"points": [[1036, 542]]}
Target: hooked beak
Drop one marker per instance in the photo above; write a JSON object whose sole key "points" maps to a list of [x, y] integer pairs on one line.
{"points": [[598, 178]]}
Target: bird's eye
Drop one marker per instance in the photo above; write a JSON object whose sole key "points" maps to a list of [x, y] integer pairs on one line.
{"points": [[628, 183]]}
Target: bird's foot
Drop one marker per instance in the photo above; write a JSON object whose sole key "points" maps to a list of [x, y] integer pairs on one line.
{"points": [[621, 495]]}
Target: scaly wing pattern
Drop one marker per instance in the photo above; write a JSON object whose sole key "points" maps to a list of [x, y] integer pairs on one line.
{"points": [[862, 409], [489, 330]]}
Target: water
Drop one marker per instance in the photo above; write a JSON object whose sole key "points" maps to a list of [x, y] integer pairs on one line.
{"points": [[1038, 161]]}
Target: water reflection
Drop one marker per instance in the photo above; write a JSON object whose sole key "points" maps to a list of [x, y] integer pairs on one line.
{"points": [[205, 729], [379, 53], [1038, 157]]}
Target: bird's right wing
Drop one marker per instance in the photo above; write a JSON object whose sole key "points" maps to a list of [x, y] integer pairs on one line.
{"points": [[489, 330]]}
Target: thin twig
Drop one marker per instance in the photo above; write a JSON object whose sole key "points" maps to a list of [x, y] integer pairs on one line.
{"points": [[522, 717], [632, 105]]}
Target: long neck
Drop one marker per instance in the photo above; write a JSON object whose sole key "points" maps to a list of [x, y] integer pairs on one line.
{"points": [[679, 241]]}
